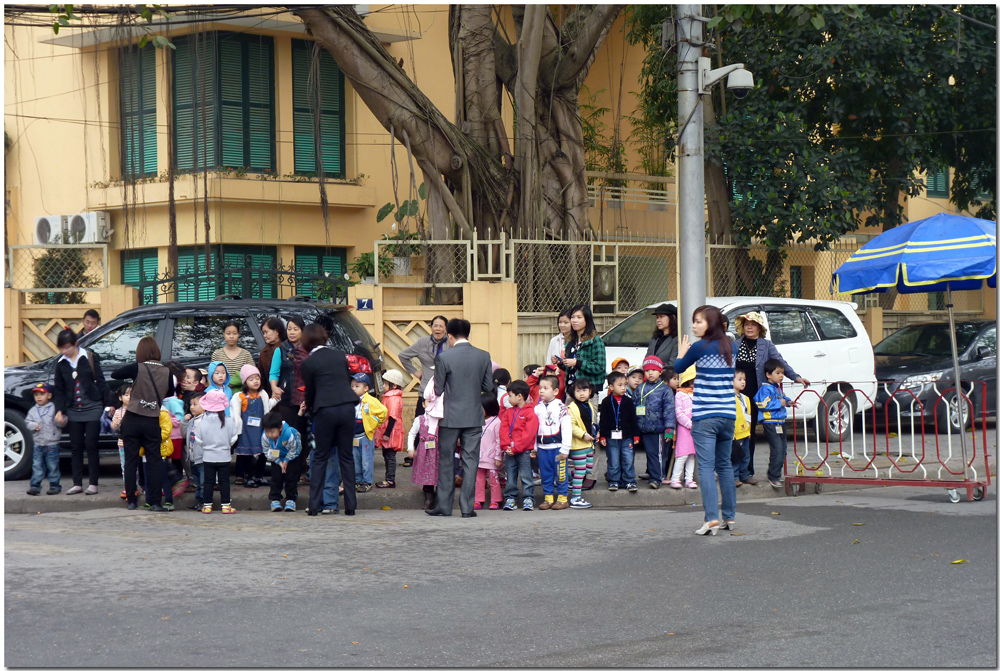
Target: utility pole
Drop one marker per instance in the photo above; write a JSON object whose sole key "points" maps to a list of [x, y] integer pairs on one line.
{"points": [[691, 172]]}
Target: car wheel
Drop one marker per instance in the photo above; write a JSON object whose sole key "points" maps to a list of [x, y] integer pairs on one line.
{"points": [[839, 420], [947, 412], [18, 446]]}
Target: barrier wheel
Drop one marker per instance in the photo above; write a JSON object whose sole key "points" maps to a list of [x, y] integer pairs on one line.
{"points": [[817, 488], [978, 493], [954, 496]]}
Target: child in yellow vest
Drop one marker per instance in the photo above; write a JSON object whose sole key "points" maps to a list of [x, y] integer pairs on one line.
{"points": [[741, 451], [368, 414]]}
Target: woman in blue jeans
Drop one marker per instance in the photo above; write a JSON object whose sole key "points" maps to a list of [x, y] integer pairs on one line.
{"points": [[713, 414]]}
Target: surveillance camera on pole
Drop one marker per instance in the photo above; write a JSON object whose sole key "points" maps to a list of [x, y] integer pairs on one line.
{"points": [[740, 80]]}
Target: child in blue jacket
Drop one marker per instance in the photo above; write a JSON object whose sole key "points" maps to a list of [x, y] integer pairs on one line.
{"points": [[654, 410], [771, 404]]}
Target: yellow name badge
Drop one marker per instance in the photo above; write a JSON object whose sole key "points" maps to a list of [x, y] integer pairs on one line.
{"points": [[275, 454], [357, 442], [779, 428], [429, 445], [640, 410]]}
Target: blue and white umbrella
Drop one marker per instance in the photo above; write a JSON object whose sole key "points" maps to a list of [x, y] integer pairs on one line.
{"points": [[941, 253]]}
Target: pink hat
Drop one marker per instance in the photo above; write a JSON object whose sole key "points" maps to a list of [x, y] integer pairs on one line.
{"points": [[215, 400], [247, 370], [497, 367]]}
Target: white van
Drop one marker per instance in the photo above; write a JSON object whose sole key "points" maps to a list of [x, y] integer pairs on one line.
{"points": [[824, 341]]}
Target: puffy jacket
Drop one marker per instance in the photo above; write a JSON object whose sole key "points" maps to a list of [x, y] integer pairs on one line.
{"points": [[658, 401], [287, 447], [518, 428], [167, 425], [489, 446], [768, 402], [683, 408], [393, 401], [373, 413]]}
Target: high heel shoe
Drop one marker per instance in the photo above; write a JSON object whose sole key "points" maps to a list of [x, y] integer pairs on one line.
{"points": [[728, 524], [709, 528]]}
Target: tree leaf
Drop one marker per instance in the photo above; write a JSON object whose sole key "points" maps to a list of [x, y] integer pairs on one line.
{"points": [[818, 22], [713, 23], [384, 212], [145, 38], [414, 208], [422, 191]]}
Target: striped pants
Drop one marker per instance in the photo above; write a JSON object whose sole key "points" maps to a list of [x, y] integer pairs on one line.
{"points": [[581, 462]]}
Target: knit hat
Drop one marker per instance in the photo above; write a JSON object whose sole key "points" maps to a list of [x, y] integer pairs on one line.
{"points": [[393, 376], [247, 370], [754, 317], [652, 362], [621, 359], [361, 377], [214, 401], [687, 375]]}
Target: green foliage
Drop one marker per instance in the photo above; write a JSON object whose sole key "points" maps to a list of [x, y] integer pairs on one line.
{"points": [[62, 268], [64, 14], [363, 266], [409, 242]]}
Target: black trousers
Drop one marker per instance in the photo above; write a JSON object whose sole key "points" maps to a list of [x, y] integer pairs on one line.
{"points": [[334, 436], [213, 469], [290, 414], [389, 455], [139, 431], [289, 480], [83, 436]]}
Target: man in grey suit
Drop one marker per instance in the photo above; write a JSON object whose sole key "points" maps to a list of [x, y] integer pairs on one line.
{"points": [[462, 374]]}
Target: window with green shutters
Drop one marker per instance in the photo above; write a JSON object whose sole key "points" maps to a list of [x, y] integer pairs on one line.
{"points": [[224, 101], [244, 284], [937, 184], [201, 287], [139, 270], [318, 260], [795, 281], [137, 84], [326, 96]]}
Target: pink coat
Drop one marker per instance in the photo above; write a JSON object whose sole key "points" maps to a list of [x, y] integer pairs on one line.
{"points": [[683, 443], [489, 448]]}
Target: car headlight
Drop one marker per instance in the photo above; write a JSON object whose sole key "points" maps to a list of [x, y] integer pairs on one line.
{"points": [[918, 381]]}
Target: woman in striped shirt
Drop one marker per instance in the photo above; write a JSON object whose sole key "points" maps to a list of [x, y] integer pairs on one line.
{"points": [[713, 414]]}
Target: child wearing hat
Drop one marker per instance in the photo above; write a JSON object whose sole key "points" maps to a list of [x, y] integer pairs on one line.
{"points": [[654, 410], [684, 460], [368, 414], [389, 436], [41, 420], [248, 409], [213, 435]]}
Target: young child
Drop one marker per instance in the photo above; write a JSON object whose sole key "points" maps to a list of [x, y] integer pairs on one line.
{"points": [[124, 396], [282, 445], [771, 403], [635, 378], [670, 378], [684, 450], [389, 436], [214, 434], [368, 414], [218, 378], [423, 437], [619, 433], [501, 378], [168, 425], [232, 355], [518, 430], [194, 451], [741, 435], [621, 365], [541, 372], [555, 438], [654, 409], [581, 452], [41, 420], [248, 409], [172, 467], [490, 455]]}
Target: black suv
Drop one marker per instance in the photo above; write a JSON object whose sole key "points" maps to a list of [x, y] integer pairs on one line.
{"points": [[186, 332]]}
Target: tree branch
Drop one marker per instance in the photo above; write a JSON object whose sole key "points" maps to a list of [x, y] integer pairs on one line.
{"points": [[583, 34]]}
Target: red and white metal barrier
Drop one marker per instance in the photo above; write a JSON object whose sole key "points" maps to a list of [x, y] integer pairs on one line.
{"points": [[887, 444]]}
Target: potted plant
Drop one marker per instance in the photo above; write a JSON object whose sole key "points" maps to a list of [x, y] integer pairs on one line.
{"points": [[404, 242], [363, 266]]}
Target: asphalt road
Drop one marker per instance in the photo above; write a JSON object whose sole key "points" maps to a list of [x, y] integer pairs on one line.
{"points": [[798, 584]]}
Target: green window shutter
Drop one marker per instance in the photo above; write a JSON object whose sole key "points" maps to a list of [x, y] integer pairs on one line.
{"points": [[246, 90], [795, 282], [202, 287], [139, 269], [330, 100], [318, 260], [137, 83], [249, 285], [231, 102], [937, 184], [195, 121]]}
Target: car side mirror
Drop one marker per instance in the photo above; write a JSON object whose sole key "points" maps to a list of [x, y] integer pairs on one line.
{"points": [[983, 351]]}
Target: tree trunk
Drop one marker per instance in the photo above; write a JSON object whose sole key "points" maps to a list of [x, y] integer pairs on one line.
{"points": [[892, 216]]}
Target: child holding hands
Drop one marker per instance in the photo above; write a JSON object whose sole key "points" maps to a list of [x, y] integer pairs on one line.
{"points": [[490, 455]]}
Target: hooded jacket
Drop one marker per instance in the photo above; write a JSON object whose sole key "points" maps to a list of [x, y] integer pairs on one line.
{"points": [[286, 448], [768, 401], [214, 439], [518, 428], [225, 385], [373, 413]]}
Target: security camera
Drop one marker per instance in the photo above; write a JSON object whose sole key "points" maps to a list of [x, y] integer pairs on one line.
{"points": [[740, 82]]}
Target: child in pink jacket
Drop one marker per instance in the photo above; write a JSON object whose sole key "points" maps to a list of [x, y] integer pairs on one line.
{"points": [[490, 456], [684, 459]]}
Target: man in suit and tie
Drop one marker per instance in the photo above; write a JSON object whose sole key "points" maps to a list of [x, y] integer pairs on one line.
{"points": [[462, 374]]}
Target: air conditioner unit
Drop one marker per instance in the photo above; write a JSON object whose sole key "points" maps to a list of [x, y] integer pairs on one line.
{"points": [[51, 230], [88, 227]]}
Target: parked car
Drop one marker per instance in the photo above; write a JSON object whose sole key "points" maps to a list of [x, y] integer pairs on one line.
{"points": [[824, 341], [916, 362], [185, 332]]}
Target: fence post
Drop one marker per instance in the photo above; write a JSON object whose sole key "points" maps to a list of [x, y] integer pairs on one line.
{"points": [[13, 333], [116, 299], [873, 323], [491, 307]]}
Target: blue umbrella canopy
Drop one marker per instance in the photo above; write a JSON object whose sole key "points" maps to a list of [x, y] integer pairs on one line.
{"points": [[934, 254]]}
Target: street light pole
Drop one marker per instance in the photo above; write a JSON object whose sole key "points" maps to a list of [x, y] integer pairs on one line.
{"points": [[691, 169]]}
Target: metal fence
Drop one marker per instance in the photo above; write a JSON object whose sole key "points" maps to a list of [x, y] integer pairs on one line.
{"points": [[56, 274]]}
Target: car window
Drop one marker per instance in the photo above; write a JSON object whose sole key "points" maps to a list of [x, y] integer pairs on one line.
{"points": [[789, 326], [117, 348], [348, 329], [833, 324], [198, 337], [927, 340], [989, 339], [733, 314], [633, 332]]}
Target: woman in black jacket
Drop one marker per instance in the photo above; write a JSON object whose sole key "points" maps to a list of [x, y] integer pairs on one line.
{"points": [[331, 402], [79, 395], [151, 383]]}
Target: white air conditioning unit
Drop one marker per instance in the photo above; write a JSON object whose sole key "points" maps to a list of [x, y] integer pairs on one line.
{"points": [[66, 229], [51, 230]]}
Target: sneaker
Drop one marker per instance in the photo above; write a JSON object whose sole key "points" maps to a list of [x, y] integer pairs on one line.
{"points": [[227, 509], [275, 506], [691, 484], [147, 506], [53, 490], [250, 483], [674, 484], [528, 505], [327, 511], [510, 504], [632, 487], [387, 484], [132, 506], [494, 506], [752, 481], [478, 506], [775, 483], [289, 506], [363, 487], [34, 492], [579, 502], [206, 508], [653, 484], [613, 487], [169, 507]]}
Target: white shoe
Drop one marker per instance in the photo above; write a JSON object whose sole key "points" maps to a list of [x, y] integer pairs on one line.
{"points": [[709, 528], [580, 502]]}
